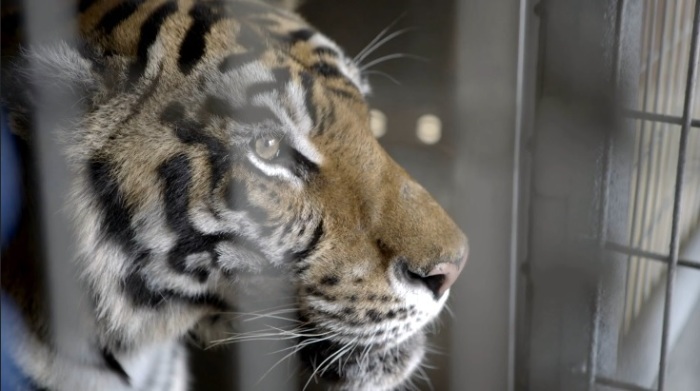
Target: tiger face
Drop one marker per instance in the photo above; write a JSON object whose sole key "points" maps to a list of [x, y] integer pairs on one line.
{"points": [[219, 138]]}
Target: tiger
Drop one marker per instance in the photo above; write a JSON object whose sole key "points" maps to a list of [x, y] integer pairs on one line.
{"points": [[218, 139]]}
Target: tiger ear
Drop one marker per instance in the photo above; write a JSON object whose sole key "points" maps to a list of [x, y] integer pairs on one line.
{"points": [[59, 68]]}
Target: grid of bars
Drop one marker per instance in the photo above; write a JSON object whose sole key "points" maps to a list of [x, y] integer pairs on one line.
{"points": [[666, 166], [665, 49]]}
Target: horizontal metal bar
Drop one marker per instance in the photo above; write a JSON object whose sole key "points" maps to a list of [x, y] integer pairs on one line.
{"points": [[669, 119], [605, 381], [621, 248]]}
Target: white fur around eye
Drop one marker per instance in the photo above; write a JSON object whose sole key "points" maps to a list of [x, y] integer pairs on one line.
{"points": [[273, 170]]}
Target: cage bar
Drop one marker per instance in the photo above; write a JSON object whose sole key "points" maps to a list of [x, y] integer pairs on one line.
{"points": [[619, 248], [689, 98], [669, 119], [592, 359]]}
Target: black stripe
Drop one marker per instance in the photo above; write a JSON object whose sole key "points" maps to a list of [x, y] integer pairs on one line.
{"points": [[325, 69], [218, 107], [325, 51], [301, 166], [83, 5], [193, 46], [116, 215], [176, 173], [190, 132], [281, 77], [118, 14], [343, 93], [90, 53], [254, 115], [143, 296], [301, 35], [138, 106], [311, 247], [307, 82], [115, 366], [149, 32], [249, 39]]}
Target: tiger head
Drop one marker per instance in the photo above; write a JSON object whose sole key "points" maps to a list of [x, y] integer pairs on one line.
{"points": [[219, 138]]}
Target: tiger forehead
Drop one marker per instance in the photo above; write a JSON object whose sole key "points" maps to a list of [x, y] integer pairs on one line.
{"points": [[198, 32]]}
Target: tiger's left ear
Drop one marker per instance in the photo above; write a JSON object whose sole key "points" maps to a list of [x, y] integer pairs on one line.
{"points": [[60, 68]]}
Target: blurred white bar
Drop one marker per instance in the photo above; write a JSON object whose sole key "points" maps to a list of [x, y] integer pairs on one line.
{"points": [[50, 22]]}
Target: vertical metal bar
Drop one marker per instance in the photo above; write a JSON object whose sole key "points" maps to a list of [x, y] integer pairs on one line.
{"points": [[46, 23], [524, 11], [691, 85], [592, 359]]}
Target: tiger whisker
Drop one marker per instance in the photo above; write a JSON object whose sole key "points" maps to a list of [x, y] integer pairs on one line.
{"points": [[423, 375], [296, 349], [253, 316], [328, 359], [432, 349], [449, 310], [294, 332], [338, 356], [272, 331], [276, 307], [391, 57], [305, 343], [364, 356], [275, 315], [379, 44], [340, 364], [379, 36], [380, 73], [264, 335]]}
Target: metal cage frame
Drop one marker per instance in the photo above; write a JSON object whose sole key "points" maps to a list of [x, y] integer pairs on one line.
{"points": [[672, 258]]}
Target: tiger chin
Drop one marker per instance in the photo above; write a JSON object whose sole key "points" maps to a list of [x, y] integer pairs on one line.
{"points": [[219, 139]]}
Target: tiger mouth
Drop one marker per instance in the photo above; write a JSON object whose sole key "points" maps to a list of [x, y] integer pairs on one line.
{"points": [[347, 365]]}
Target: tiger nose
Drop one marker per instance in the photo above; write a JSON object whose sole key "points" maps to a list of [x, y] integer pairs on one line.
{"points": [[440, 278], [444, 275]]}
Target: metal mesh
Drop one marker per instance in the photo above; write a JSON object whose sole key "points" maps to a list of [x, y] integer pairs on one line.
{"points": [[664, 207], [666, 34]]}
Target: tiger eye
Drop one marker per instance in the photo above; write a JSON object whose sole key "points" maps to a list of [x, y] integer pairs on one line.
{"points": [[267, 147]]}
